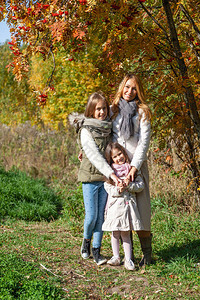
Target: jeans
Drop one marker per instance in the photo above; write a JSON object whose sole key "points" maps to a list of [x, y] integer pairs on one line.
{"points": [[95, 198]]}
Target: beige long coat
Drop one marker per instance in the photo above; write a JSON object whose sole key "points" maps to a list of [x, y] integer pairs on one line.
{"points": [[137, 147]]}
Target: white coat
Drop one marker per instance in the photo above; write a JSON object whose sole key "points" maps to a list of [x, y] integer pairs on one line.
{"points": [[122, 213]]}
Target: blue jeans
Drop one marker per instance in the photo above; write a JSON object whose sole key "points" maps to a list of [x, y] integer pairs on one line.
{"points": [[95, 198]]}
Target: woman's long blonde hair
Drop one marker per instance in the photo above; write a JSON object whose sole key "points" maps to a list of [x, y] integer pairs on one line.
{"points": [[140, 99]]}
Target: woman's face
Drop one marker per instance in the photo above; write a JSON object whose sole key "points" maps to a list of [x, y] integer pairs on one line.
{"points": [[129, 92], [101, 110]]}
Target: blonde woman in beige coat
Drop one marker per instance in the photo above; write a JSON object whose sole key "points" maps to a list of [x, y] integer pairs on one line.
{"points": [[131, 129]]}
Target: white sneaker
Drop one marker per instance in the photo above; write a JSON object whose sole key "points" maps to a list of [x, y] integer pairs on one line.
{"points": [[129, 265], [114, 261]]}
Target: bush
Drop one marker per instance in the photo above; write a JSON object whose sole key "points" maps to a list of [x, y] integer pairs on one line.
{"points": [[23, 197]]}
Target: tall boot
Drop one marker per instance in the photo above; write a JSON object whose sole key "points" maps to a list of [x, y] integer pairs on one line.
{"points": [[146, 250]]}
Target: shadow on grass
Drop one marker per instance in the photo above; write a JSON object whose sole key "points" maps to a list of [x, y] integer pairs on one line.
{"points": [[190, 249]]}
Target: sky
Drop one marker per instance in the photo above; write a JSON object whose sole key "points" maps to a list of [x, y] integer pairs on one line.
{"points": [[4, 32]]}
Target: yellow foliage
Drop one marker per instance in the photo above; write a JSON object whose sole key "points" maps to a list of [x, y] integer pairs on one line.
{"points": [[74, 82]]}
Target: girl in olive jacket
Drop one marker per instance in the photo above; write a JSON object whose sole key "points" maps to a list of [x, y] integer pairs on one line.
{"points": [[94, 135]]}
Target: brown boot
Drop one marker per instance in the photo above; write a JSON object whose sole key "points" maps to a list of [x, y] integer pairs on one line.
{"points": [[146, 250]]}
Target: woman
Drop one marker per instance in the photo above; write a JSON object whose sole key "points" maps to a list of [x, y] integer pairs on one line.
{"points": [[131, 128]]}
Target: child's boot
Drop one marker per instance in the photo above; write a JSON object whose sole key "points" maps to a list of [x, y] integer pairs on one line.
{"points": [[85, 248], [146, 250], [100, 260]]}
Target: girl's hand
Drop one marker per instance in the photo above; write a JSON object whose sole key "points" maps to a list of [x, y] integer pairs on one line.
{"points": [[80, 155], [121, 189], [126, 181], [116, 180], [131, 174]]}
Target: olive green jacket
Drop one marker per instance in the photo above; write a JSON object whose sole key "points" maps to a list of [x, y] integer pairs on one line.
{"points": [[87, 171]]}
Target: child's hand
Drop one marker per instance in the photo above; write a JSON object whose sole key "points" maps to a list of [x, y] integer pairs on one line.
{"points": [[121, 189], [126, 181], [80, 156], [120, 184]]}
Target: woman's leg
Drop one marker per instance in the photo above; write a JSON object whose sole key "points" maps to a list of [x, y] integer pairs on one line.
{"points": [[144, 207], [145, 238], [143, 234]]}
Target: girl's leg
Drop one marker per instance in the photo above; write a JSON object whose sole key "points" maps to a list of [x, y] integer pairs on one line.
{"points": [[90, 196], [100, 207], [128, 263], [115, 260], [127, 244], [95, 198], [115, 242]]}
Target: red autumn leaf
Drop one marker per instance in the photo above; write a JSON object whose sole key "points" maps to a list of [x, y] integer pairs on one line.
{"points": [[46, 6], [83, 2]]}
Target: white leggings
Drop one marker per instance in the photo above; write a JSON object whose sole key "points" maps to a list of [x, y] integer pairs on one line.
{"points": [[127, 245]]}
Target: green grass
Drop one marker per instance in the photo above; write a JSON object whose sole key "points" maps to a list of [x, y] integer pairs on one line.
{"points": [[25, 246], [26, 198], [40, 248], [24, 280]]}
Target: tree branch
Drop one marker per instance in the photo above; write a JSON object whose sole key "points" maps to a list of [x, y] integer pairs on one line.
{"points": [[186, 13], [155, 21], [54, 67]]}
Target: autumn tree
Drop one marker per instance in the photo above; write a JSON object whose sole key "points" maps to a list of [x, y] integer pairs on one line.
{"points": [[73, 82], [15, 97], [159, 39]]}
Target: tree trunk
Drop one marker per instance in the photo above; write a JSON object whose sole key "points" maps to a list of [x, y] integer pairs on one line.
{"points": [[189, 95]]}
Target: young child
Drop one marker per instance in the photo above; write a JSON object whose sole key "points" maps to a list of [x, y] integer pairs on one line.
{"points": [[94, 136], [121, 213]]}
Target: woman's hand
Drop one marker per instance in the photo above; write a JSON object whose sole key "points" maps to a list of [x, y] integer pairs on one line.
{"points": [[131, 174], [116, 180]]}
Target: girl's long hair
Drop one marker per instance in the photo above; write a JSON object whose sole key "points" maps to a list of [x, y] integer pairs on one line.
{"points": [[92, 102], [140, 98], [108, 152], [108, 155]]}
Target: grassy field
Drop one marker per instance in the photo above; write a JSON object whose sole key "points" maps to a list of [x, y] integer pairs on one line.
{"points": [[40, 252]]}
